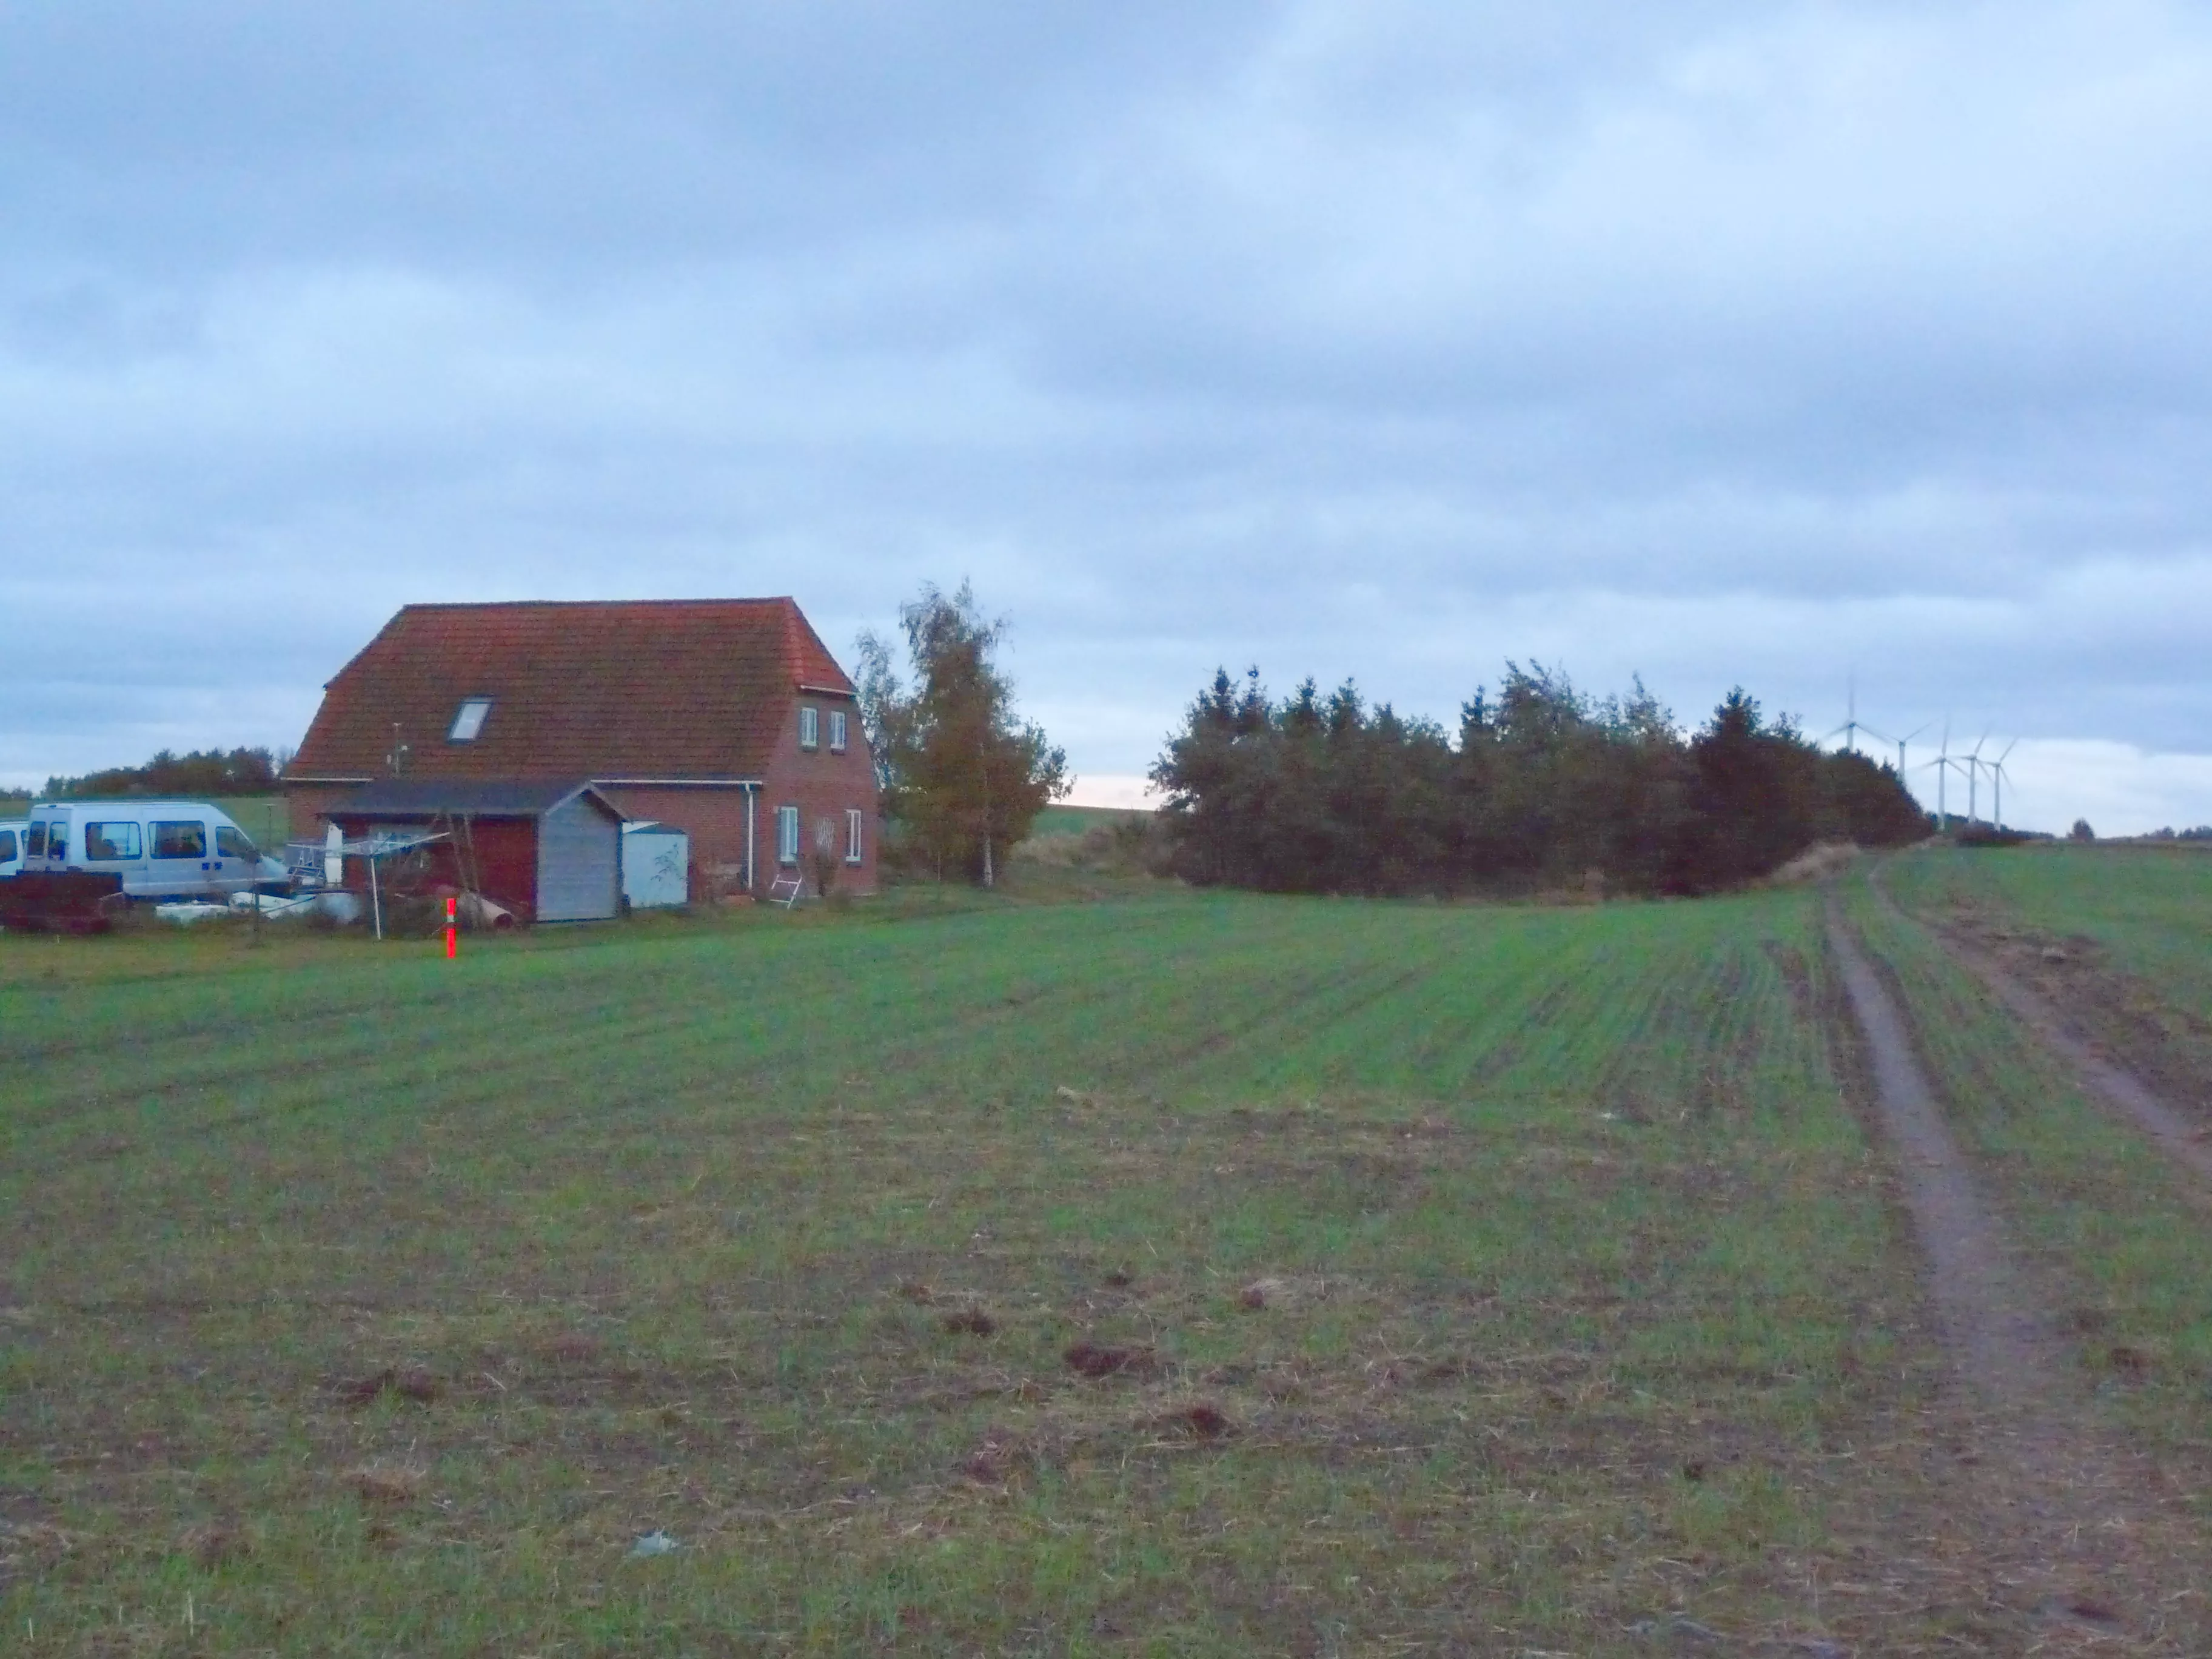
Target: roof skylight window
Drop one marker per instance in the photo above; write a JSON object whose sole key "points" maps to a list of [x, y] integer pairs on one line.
{"points": [[470, 720]]}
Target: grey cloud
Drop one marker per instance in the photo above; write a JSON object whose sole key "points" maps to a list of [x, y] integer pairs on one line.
{"points": [[1719, 341]]}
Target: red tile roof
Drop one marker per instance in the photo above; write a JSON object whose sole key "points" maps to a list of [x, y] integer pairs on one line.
{"points": [[646, 689]]}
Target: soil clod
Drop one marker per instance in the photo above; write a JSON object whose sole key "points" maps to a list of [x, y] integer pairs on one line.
{"points": [[375, 1484], [970, 1321], [412, 1382], [2128, 1361], [212, 1543], [1202, 1421], [1002, 1455], [1089, 1359]]}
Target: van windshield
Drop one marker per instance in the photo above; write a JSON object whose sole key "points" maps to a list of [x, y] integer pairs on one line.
{"points": [[231, 843]]}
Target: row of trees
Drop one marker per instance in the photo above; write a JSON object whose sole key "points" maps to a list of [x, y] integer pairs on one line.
{"points": [[1540, 786], [198, 772]]}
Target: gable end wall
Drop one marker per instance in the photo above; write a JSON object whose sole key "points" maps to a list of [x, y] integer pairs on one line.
{"points": [[822, 786]]}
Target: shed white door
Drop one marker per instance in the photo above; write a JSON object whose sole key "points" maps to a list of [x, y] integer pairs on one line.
{"points": [[656, 868], [579, 862]]}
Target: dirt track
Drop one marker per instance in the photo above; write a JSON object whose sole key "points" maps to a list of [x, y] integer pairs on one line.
{"points": [[2086, 1532], [2172, 1133]]}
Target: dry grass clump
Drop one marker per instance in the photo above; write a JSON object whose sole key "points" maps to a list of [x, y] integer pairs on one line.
{"points": [[970, 1321], [575, 1347], [1093, 1360], [1136, 845], [1822, 860], [1201, 1421], [1002, 1456], [409, 1382], [210, 1544], [1282, 1293], [389, 1486], [37, 1542]]}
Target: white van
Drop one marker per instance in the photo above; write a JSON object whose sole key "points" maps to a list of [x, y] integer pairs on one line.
{"points": [[162, 848], [11, 845]]}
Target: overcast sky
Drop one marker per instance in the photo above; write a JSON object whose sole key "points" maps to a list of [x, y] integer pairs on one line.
{"points": [[1721, 343]]}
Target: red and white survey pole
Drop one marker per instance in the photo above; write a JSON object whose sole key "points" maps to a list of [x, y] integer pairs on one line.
{"points": [[453, 929]]}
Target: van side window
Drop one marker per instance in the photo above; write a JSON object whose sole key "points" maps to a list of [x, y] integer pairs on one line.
{"points": [[34, 841], [7, 846], [231, 843], [110, 841], [179, 838]]}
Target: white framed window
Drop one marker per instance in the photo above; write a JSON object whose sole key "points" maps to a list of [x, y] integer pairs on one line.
{"points": [[836, 730], [787, 835], [468, 719], [851, 834], [809, 725], [111, 841]]}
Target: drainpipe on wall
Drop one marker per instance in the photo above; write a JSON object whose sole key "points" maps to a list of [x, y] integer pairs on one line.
{"points": [[750, 791]]}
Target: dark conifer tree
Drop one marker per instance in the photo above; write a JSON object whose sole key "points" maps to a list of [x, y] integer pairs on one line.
{"points": [[1541, 787]]}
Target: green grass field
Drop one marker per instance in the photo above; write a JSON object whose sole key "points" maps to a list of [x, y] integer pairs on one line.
{"points": [[1176, 1273], [2145, 910]]}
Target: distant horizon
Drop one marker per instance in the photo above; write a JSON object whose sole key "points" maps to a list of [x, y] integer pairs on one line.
{"points": [[1133, 791]]}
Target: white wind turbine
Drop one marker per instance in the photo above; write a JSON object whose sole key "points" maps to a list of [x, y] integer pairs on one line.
{"points": [[1850, 730], [1901, 742], [1974, 777], [1943, 765], [1996, 785]]}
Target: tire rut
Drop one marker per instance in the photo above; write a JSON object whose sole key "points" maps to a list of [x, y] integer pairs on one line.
{"points": [[2118, 1088], [2076, 1520], [2001, 1347]]}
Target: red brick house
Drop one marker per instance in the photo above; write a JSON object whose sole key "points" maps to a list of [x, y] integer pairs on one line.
{"points": [[726, 718]]}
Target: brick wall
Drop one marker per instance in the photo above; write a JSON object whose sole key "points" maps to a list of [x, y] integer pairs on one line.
{"points": [[714, 818], [308, 802], [822, 785]]}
